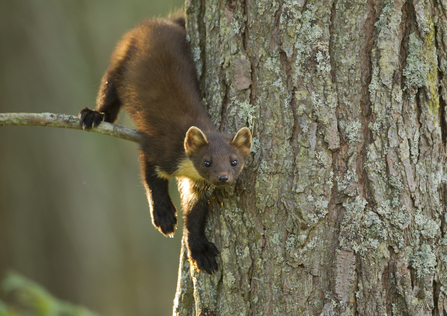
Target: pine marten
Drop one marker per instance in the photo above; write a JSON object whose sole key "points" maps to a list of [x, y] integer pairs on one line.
{"points": [[152, 74]]}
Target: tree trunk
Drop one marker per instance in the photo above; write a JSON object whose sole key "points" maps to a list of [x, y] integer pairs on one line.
{"points": [[340, 209]]}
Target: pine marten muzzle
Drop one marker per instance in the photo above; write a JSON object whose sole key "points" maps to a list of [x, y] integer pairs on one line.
{"points": [[152, 74]]}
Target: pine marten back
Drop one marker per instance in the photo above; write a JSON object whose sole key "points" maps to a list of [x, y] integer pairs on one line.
{"points": [[152, 74]]}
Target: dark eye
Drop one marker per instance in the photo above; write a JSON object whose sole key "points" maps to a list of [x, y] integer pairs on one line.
{"points": [[234, 163], [207, 164]]}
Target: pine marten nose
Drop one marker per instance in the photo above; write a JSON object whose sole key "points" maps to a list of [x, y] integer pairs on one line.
{"points": [[222, 178]]}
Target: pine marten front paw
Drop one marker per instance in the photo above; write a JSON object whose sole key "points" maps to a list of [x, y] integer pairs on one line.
{"points": [[90, 118], [203, 256], [165, 220]]}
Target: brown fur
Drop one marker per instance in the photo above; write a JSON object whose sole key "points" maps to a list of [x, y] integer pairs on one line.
{"points": [[160, 90], [152, 74]]}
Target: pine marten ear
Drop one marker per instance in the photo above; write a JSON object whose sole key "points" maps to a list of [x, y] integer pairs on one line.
{"points": [[194, 139], [243, 141]]}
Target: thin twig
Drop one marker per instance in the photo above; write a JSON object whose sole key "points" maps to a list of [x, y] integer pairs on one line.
{"points": [[67, 121]]}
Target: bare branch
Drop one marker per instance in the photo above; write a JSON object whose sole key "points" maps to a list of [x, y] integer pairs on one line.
{"points": [[67, 121]]}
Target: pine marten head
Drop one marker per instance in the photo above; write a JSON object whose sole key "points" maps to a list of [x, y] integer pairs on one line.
{"points": [[218, 158]]}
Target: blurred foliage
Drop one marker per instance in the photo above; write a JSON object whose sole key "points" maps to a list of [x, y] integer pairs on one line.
{"points": [[73, 212], [31, 299]]}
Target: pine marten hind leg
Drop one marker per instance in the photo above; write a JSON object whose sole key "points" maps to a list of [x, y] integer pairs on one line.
{"points": [[107, 104]]}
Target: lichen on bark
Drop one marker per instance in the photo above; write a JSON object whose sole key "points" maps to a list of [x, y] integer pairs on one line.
{"points": [[340, 209]]}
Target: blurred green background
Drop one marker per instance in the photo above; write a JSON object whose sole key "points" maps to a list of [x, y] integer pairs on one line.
{"points": [[73, 212]]}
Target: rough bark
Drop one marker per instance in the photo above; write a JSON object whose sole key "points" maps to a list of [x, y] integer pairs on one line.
{"points": [[341, 208]]}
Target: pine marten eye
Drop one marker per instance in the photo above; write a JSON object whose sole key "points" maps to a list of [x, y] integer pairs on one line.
{"points": [[207, 164], [234, 163]]}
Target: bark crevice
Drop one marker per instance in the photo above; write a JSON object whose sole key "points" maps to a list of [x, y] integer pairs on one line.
{"points": [[367, 68], [331, 43], [441, 91], [223, 109], [436, 293], [407, 27], [442, 109], [202, 44]]}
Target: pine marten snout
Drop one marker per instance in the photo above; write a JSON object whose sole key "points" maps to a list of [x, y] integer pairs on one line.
{"points": [[153, 75]]}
